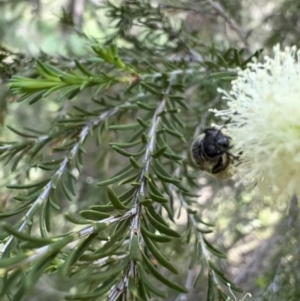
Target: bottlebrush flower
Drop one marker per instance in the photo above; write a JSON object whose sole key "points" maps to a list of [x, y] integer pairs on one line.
{"points": [[264, 122]]}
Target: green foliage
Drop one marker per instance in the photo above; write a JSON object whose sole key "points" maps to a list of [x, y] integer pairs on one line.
{"points": [[134, 103]]}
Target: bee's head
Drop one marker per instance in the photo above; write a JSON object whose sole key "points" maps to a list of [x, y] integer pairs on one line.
{"points": [[215, 143]]}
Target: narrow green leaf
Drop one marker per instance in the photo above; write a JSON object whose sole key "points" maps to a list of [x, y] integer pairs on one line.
{"points": [[51, 90], [82, 69], [198, 218], [194, 255], [157, 198], [154, 189], [160, 168], [166, 179], [99, 291], [129, 179], [143, 123], [73, 93], [133, 289], [126, 145], [125, 153], [7, 262], [160, 152], [210, 289], [145, 106], [181, 101], [26, 237], [66, 188], [172, 156], [124, 127], [45, 219], [21, 133], [141, 289], [117, 177], [93, 215], [9, 281], [118, 235], [135, 253], [111, 250], [76, 220], [144, 278], [54, 205], [70, 182], [126, 197], [144, 201], [200, 274], [16, 211], [222, 295], [115, 200], [160, 227], [134, 163], [144, 138], [159, 256], [103, 208], [154, 237], [36, 184], [76, 253], [45, 72], [157, 216], [110, 271], [161, 278], [222, 277], [211, 64], [18, 158], [237, 58], [174, 133], [148, 88]]}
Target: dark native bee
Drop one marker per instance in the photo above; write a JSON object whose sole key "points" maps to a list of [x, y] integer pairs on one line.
{"points": [[210, 151]]}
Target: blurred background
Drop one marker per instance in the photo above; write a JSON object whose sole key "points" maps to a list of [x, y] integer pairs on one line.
{"points": [[260, 239]]}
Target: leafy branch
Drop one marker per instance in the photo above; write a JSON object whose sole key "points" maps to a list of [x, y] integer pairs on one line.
{"points": [[145, 114], [53, 79], [140, 195], [51, 184]]}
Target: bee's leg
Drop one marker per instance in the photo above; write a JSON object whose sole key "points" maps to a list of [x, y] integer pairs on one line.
{"points": [[219, 166], [233, 156]]}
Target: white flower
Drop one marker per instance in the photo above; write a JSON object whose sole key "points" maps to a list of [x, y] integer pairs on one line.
{"points": [[264, 122]]}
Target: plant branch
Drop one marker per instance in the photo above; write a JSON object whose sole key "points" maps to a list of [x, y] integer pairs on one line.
{"points": [[219, 10], [104, 260], [135, 221], [183, 72], [62, 168], [177, 194], [37, 253], [231, 22], [90, 229], [200, 238]]}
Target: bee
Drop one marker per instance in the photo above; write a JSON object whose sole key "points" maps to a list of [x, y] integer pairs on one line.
{"points": [[210, 151]]}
